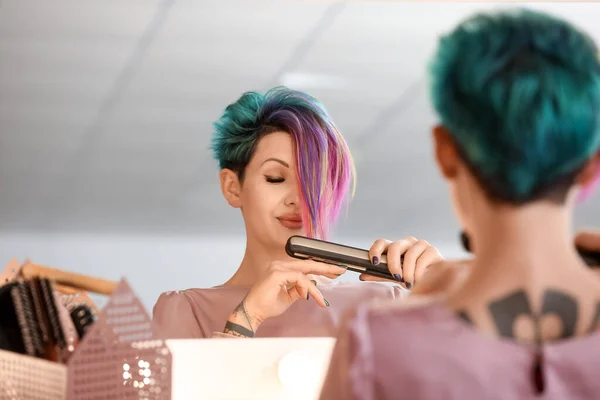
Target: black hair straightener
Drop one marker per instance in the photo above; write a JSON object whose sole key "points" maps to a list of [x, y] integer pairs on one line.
{"points": [[591, 258], [354, 259]]}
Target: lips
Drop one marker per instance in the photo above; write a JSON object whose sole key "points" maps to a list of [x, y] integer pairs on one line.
{"points": [[291, 221]]}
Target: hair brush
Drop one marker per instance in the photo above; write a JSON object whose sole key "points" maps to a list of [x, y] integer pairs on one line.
{"points": [[57, 334], [29, 320], [19, 330]]}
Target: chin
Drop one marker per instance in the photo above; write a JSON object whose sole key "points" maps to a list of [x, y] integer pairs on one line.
{"points": [[284, 236], [280, 239]]}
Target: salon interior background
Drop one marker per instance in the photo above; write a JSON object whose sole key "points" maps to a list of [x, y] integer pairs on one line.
{"points": [[106, 109]]}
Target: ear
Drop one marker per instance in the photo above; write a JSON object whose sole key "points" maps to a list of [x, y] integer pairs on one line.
{"points": [[445, 152], [590, 171], [231, 187]]}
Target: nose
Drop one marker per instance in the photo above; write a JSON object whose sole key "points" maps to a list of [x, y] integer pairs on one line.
{"points": [[293, 198]]}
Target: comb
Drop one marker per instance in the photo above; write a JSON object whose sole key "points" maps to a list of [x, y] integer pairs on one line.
{"points": [[36, 300], [26, 320], [31, 318], [57, 334]]}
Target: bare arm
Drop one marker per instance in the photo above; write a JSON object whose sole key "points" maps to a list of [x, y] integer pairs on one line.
{"points": [[442, 277]]}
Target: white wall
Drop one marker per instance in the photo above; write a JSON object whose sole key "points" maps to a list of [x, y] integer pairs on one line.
{"points": [[151, 264]]}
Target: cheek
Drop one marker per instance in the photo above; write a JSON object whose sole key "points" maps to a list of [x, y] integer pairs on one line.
{"points": [[261, 199]]}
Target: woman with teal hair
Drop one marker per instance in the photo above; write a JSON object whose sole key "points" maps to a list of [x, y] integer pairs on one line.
{"points": [[286, 166], [518, 99]]}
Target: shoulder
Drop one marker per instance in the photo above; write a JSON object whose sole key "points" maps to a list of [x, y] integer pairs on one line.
{"points": [[197, 293], [366, 332], [377, 322], [189, 298], [181, 313], [413, 306], [173, 316], [395, 315], [443, 277], [171, 298]]}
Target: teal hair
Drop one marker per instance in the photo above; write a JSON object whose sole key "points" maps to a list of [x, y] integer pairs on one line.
{"points": [[519, 93], [323, 162]]}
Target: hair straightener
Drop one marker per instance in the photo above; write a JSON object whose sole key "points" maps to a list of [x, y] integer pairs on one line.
{"points": [[591, 258], [354, 259]]}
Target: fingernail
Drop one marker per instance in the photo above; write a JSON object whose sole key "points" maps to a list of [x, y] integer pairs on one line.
{"points": [[375, 260], [408, 285], [343, 266], [326, 302], [398, 278]]}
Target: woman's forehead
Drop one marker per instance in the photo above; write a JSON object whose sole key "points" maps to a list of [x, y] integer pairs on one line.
{"points": [[275, 145]]}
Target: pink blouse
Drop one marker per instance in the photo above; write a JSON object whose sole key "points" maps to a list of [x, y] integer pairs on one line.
{"points": [[202, 313], [426, 352]]}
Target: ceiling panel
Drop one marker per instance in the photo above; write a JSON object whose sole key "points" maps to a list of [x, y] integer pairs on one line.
{"points": [[106, 107], [218, 50], [74, 18], [59, 68]]}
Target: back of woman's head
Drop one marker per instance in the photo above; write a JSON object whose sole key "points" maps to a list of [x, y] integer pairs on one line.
{"points": [[324, 165], [519, 92]]}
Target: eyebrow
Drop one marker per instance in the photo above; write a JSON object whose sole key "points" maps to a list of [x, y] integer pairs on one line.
{"points": [[277, 160]]}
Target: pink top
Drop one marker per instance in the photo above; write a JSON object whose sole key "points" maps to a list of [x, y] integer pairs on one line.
{"points": [[426, 352], [202, 313]]}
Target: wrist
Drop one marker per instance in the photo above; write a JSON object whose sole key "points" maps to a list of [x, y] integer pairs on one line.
{"points": [[240, 319], [244, 315], [252, 317]]}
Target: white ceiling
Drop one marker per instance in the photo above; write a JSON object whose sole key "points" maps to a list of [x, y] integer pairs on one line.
{"points": [[106, 107]]}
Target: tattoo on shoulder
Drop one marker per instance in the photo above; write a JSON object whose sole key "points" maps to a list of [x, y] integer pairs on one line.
{"points": [[562, 306]]}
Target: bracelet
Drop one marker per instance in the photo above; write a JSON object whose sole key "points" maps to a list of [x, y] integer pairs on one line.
{"points": [[238, 330]]}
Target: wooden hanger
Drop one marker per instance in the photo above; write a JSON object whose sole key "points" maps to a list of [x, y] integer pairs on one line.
{"points": [[73, 288]]}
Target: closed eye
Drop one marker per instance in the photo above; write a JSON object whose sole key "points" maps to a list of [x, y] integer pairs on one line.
{"points": [[273, 179]]}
